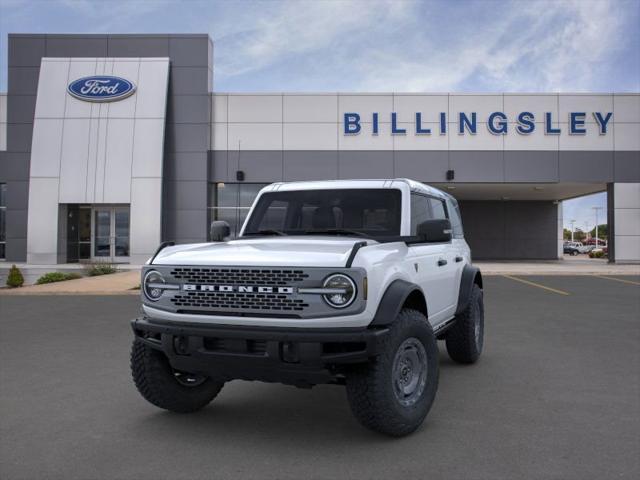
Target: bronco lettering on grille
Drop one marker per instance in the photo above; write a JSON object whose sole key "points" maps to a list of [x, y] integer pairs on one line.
{"points": [[237, 288]]}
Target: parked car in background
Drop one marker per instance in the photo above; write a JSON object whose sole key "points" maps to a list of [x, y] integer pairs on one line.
{"points": [[570, 249]]}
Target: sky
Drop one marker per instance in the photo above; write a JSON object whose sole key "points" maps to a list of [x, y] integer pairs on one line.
{"points": [[377, 45]]}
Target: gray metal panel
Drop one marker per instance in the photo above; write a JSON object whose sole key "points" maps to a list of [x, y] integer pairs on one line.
{"points": [[218, 166], [17, 195], [586, 166], [425, 166], [185, 195], [15, 166], [22, 108], [138, 46], [477, 165], [510, 230], [189, 51], [19, 137], [188, 225], [23, 80], [16, 222], [531, 166], [310, 165], [26, 50], [188, 109], [16, 249], [258, 166], [76, 46], [365, 164], [185, 166], [188, 80], [187, 137], [626, 166]]}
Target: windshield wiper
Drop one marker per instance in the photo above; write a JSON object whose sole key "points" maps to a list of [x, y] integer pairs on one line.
{"points": [[266, 232], [336, 231]]}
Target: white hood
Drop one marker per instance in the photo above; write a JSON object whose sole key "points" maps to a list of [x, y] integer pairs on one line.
{"points": [[290, 251]]}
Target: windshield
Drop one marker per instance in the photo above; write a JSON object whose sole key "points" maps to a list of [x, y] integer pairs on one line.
{"points": [[359, 212]]}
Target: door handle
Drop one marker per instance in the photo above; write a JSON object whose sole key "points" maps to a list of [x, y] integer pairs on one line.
{"points": [[459, 259], [442, 262]]}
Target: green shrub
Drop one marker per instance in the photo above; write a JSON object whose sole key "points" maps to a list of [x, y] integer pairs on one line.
{"points": [[15, 278], [596, 254], [52, 277], [93, 270]]}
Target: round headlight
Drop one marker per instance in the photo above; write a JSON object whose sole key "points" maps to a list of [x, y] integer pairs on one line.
{"points": [[345, 291], [151, 289]]}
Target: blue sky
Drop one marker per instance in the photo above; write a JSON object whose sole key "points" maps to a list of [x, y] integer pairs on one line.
{"points": [[370, 45]]}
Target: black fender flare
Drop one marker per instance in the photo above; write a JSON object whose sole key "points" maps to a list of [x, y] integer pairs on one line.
{"points": [[470, 275], [394, 299]]}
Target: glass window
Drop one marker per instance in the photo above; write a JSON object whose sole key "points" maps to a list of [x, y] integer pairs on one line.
{"points": [[455, 217], [438, 209], [425, 208], [420, 211], [231, 202], [373, 212]]}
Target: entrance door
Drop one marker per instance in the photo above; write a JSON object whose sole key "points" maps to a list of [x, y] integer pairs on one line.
{"points": [[111, 234]]}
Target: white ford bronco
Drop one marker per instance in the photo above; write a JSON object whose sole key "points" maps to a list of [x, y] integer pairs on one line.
{"points": [[343, 282]]}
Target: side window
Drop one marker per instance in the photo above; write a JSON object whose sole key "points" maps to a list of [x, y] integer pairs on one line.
{"points": [[420, 211], [456, 219], [437, 208]]}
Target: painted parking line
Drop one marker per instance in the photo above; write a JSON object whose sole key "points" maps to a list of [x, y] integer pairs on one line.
{"points": [[534, 284], [631, 282]]}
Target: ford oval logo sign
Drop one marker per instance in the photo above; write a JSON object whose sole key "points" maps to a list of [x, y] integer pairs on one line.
{"points": [[101, 88]]}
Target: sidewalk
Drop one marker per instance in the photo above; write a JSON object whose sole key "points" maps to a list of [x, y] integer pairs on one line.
{"points": [[122, 283], [126, 283]]}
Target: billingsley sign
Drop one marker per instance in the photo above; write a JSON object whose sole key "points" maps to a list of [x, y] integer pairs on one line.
{"points": [[497, 123], [101, 88]]}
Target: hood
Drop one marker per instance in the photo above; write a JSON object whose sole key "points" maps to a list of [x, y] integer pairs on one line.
{"points": [[290, 251]]}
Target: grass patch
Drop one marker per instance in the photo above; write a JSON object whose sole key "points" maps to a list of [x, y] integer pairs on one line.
{"points": [[96, 269], [53, 277]]}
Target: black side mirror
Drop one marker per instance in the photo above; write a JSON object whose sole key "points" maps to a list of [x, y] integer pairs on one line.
{"points": [[219, 231], [434, 231]]}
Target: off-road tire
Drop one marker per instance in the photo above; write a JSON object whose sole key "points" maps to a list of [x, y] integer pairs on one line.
{"points": [[370, 387], [462, 343], [155, 380]]}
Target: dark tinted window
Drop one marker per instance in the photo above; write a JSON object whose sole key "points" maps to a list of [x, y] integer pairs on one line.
{"points": [[455, 218], [425, 208], [374, 212]]}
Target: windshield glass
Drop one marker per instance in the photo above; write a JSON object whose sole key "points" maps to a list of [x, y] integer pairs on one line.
{"points": [[359, 212]]}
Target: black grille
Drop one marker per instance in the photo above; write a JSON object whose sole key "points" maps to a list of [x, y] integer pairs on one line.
{"points": [[236, 301], [227, 276]]}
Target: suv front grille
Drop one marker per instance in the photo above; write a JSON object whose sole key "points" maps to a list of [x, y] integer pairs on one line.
{"points": [[236, 301], [228, 276]]}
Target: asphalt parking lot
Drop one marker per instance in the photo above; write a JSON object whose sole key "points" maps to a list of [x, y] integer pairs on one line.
{"points": [[555, 395]]}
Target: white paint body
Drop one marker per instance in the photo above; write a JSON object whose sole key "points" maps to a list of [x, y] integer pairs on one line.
{"points": [[383, 262]]}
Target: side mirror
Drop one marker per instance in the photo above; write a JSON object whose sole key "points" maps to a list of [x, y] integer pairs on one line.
{"points": [[219, 231], [434, 231]]}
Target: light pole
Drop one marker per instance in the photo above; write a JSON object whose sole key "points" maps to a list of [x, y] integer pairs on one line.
{"points": [[596, 210], [572, 222]]}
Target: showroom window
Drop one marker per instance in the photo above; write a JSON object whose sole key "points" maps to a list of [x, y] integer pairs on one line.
{"points": [[231, 202], [3, 222]]}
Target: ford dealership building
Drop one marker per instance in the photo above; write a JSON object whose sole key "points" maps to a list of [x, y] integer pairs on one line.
{"points": [[110, 144]]}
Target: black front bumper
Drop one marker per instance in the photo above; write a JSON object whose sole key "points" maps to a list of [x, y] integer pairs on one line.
{"points": [[296, 356]]}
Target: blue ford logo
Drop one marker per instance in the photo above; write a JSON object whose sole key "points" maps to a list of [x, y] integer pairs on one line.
{"points": [[102, 88]]}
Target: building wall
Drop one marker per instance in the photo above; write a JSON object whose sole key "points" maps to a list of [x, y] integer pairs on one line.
{"points": [[625, 210], [511, 230], [187, 125], [97, 153], [301, 136]]}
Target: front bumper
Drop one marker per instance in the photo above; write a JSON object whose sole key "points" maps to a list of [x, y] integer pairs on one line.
{"points": [[295, 356]]}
